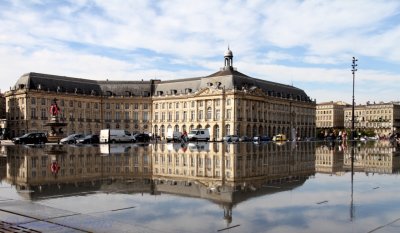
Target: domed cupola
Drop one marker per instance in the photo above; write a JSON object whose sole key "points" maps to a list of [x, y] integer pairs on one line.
{"points": [[228, 56]]}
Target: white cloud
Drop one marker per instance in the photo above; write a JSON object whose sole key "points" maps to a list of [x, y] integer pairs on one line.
{"points": [[260, 33]]}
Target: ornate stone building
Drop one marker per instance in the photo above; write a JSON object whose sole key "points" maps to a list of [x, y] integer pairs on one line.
{"points": [[226, 102], [382, 118], [330, 115]]}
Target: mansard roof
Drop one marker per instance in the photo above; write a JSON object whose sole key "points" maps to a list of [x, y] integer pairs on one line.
{"points": [[55, 83], [49, 82], [230, 79]]}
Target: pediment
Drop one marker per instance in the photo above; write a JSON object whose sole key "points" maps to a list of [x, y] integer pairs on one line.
{"points": [[208, 91]]}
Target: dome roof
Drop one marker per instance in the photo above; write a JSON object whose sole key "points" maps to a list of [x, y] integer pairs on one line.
{"points": [[228, 53]]}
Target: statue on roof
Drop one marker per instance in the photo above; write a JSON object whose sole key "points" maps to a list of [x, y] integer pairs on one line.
{"points": [[54, 109]]}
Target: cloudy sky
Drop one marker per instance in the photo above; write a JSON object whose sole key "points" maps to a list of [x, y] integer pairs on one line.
{"points": [[308, 44]]}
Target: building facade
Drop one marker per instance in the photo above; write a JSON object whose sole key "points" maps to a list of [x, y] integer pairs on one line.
{"points": [[225, 102], [330, 115], [382, 118]]}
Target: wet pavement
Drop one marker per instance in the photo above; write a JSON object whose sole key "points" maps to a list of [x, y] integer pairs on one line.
{"points": [[204, 187]]}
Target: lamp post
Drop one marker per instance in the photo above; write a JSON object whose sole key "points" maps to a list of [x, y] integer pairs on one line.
{"points": [[353, 70]]}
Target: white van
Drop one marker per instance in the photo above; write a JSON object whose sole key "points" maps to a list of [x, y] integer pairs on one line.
{"points": [[199, 134], [115, 135], [173, 135]]}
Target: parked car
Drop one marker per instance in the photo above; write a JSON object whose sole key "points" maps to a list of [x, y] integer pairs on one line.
{"points": [[173, 135], [89, 139], [71, 139], [279, 137], [244, 139], [115, 135], [31, 138], [261, 138], [230, 138], [199, 134], [141, 137]]}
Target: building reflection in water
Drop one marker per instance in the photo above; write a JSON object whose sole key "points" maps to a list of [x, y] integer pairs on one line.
{"points": [[370, 157], [226, 174]]}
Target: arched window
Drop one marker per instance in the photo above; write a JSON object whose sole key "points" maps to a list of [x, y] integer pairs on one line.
{"points": [[162, 129], [155, 130], [227, 129], [176, 128], [216, 132]]}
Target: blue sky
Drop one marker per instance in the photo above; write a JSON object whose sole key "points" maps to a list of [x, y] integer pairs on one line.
{"points": [[308, 44]]}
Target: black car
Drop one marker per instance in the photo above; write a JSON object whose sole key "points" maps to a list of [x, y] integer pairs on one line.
{"points": [[141, 137], [89, 139], [262, 138], [31, 138]]}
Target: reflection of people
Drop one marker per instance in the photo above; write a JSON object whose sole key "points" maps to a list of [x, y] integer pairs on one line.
{"points": [[54, 109], [184, 136]]}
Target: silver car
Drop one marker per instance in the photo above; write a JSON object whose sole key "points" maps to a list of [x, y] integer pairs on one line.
{"points": [[231, 138], [71, 139]]}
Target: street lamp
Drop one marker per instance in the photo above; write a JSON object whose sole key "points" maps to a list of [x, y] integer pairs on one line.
{"points": [[353, 70]]}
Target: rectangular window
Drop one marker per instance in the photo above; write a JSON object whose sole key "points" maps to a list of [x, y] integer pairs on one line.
{"points": [[145, 116], [200, 114], [126, 115], [228, 114], [43, 114], [145, 106], [43, 101], [126, 106], [184, 116], [108, 106], [71, 104], [177, 116], [117, 106], [33, 113], [192, 115], [33, 100], [136, 106], [117, 116], [135, 116]]}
